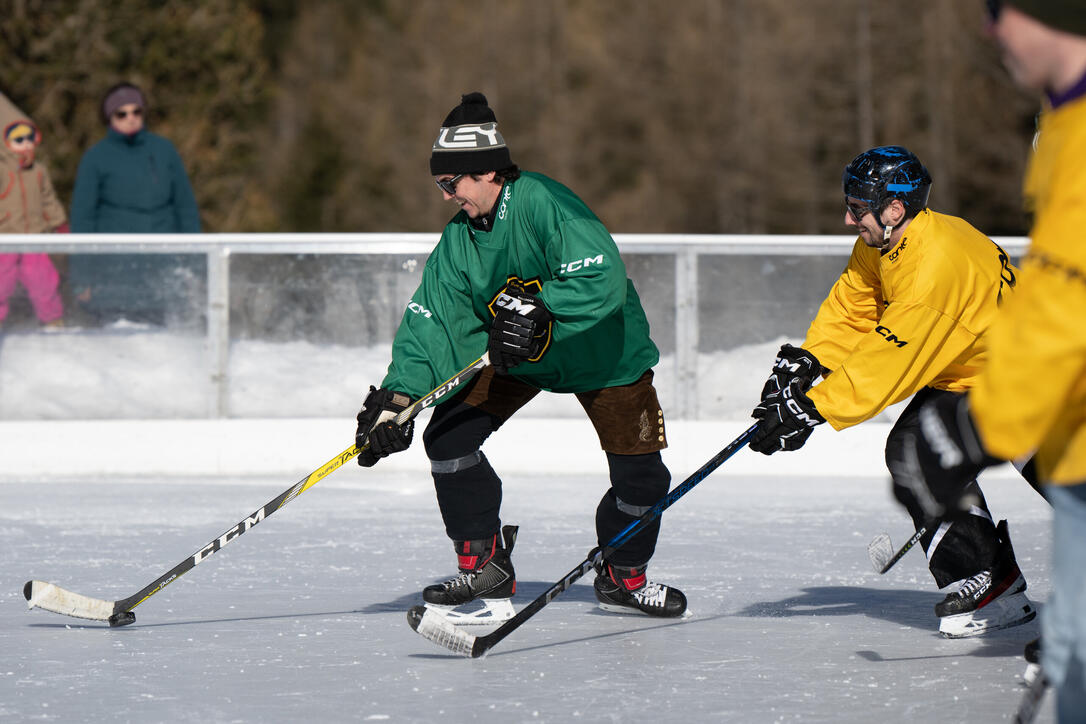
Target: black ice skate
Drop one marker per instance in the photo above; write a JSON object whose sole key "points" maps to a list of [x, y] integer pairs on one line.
{"points": [[988, 601], [486, 574], [627, 590]]}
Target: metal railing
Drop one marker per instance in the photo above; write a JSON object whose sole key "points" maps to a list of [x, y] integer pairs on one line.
{"points": [[688, 252]]}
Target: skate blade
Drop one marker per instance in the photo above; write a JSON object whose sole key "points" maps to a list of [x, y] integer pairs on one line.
{"points": [[630, 611], [493, 612], [1007, 612]]}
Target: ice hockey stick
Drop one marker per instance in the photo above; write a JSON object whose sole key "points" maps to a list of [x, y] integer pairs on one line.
{"points": [[53, 598], [435, 627], [880, 546]]}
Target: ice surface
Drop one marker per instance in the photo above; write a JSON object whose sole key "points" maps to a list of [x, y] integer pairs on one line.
{"points": [[303, 617]]}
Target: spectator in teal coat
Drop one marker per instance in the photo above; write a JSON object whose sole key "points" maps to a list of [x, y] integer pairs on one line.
{"points": [[132, 181]]}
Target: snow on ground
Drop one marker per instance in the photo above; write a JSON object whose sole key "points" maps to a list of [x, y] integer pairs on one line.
{"points": [[303, 617], [132, 373]]}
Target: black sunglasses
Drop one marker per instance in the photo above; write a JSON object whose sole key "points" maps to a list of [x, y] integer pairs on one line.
{"points": [[136, 112], [449, 185], [995, 7], [21, 139]]}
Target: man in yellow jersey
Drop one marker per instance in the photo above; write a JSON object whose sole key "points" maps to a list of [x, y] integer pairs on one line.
{"points": [[906, 318], [1031, 397]]}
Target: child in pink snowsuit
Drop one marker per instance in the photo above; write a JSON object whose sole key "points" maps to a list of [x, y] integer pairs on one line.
{"points": [[28, 205]]}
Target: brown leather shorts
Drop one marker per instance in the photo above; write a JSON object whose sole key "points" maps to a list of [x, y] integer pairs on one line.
{"points": [[628, 418]]}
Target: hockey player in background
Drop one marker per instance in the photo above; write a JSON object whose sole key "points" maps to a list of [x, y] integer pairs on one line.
{"points": [[1031, 397], [527, 272], [906, 318]]}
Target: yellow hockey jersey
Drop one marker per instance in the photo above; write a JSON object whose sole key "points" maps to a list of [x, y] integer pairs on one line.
{"points": [[913, 317], [1032, 396]]}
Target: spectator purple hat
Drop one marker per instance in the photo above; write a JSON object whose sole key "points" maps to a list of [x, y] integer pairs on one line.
{"points": [[119, 95]]}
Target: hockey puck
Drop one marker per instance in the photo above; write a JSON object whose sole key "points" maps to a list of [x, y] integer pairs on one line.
{"points": [[121, 619], [414, 616]]}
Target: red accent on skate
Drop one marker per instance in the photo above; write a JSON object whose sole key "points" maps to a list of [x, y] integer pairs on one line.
{"points": [[468, 562], [1000, 589], [632, 584]]}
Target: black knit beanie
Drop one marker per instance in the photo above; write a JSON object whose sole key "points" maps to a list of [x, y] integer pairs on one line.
{"points": [[1066, 15], [469, 141]]}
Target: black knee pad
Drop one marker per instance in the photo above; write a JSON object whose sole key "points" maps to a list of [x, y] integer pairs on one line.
{"points": [[639, 479], [638, 482], [470, 500], [469, 492]]}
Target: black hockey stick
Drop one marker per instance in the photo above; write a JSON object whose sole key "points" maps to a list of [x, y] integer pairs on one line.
{"points": [[437, 628], [119, 613], [881, 550]]}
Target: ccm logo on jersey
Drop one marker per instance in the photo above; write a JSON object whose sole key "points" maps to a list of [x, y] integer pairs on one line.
{"points": [[572, 266], [890, 336], [419, 309]]}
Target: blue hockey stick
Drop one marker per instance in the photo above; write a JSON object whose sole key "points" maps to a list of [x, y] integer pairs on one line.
{"points": [[435, 627]]}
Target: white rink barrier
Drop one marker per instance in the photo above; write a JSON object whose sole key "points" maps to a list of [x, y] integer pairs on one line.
{"points": [[687, 250], [158, 450]]}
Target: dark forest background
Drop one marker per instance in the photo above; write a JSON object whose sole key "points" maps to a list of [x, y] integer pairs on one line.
{"points": [[698, 116]]}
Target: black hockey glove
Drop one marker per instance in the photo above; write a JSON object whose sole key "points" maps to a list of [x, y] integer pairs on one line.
{"points": [[940, 462], [521, 330], [792, 363], [378, 435], [790, 418]]}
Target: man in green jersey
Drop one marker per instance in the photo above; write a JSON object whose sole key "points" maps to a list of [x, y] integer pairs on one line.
{"points": [[526, 272]]}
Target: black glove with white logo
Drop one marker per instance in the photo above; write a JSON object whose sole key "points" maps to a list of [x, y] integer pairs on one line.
{"points": [[940, 462], [521, 330], [378, 435], [792, 363], [790, 418]]}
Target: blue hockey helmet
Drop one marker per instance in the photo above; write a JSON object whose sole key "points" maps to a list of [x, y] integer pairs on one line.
{"points": [[883, 174]]}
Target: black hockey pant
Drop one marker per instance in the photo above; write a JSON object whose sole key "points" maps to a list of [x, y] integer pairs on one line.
{"points": [[957, 548], [469, 491]]}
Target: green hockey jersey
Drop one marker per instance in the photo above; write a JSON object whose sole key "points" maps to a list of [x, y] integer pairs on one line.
{"points": [[549, 240]]}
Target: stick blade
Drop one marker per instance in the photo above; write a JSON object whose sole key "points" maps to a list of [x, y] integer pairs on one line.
{"points": [[51, 597], [881, 551], [436, 628]]}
